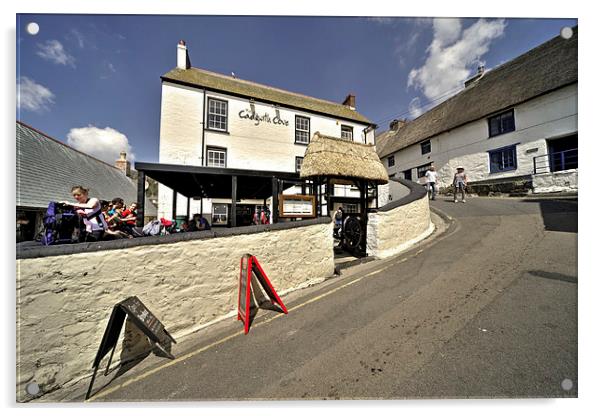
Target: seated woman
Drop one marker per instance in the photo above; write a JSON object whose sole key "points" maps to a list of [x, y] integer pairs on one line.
{"points": [[198, 223], [127, 220], [89, 209]]}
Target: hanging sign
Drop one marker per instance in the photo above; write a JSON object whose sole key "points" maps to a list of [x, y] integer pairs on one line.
{"points": [[250, 271], [140, 316]]}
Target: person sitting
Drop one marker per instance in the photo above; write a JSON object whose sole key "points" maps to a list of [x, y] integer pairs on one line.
{"points": [[338, 225], [198, 223], [115, 213], [128, 218]]}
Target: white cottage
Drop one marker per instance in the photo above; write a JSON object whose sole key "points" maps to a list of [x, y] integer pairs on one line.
{"points": [[513, 127], [214, 120]]}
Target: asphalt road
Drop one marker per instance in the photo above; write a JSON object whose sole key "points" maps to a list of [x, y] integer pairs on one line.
{"points": [[489, 309]]}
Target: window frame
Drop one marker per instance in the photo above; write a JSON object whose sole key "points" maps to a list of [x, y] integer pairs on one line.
{"points": [[227, 214], [346, 207], [216, 149], [389, 159], [502, 150], [427, 166], [422, 145], [308, 131], [297, 158], [500, 128], [208, 114], [347, 127]]}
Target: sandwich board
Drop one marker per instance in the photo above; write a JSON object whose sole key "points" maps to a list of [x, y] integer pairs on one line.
{"points": [[143, 318], [251, 270]]}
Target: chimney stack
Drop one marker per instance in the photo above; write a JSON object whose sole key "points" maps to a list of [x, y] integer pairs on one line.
{"points": [[395, 124], [123, 164], [350, 101], [183, 59], [476, 77]]}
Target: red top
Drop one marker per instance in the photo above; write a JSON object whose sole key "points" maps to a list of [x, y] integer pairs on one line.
{"points": [[125, 213]]}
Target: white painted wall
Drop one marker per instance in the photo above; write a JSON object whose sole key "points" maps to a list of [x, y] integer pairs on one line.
{"points": [[64, 302], [265, 146], [391, 232], [563, 181], [549, 116]]}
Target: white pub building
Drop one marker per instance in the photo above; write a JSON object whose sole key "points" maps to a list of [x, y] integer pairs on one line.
{"points": [[214, 120]]}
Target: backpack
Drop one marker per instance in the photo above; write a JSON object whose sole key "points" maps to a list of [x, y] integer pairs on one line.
{"points": [[60, 222], [152, 228]]}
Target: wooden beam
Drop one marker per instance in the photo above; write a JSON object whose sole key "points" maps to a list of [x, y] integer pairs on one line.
{"points": [[233, 205], [275, 188], [174, 205], [140, 199]]}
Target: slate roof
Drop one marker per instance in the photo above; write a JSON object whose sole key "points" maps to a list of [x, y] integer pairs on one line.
{"points": [[48, 168], [218, 82], [549, 66]]}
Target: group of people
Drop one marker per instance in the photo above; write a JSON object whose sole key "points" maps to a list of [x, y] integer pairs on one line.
{"points": [[109, 220], [459, 183], [103, 219], [261, 216]]}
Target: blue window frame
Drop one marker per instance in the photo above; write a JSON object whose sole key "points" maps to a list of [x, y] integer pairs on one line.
{"points": [[502, 160]]}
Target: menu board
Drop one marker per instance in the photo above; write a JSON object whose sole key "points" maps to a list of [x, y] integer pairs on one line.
{"points": [[297, 206], [243, 288], [251, 269], [143, 318], [147, 322]]}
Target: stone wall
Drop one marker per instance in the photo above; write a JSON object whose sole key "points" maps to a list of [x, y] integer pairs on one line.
{"points": [[64, 301], [399, 224], [565, 181]]}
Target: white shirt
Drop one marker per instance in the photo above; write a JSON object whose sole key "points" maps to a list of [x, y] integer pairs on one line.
{"points": [[431, 176]]}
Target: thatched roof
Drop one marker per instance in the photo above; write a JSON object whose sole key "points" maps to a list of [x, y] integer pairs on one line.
{"points": [[197, 77], [338, 158], [548, 67]]}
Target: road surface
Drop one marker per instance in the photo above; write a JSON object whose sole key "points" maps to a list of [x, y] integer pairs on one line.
{"points": [[489, 309]]}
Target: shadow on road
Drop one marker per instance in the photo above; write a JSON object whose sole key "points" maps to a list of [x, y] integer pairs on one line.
{"points": [[553, 276], [558, 215]]}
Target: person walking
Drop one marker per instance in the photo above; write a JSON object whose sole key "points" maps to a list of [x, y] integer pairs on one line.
{"points": [[431, 181], [460, 182]]}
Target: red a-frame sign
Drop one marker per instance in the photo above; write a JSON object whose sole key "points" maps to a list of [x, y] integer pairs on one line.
{"points": [[249, 269]]}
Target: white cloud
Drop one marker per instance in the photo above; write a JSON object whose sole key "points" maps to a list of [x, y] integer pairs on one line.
{"points": [[414, 108], [33, 96], [447, 30], [104, 144], [453, 55], [78, 37], [53, 51]]}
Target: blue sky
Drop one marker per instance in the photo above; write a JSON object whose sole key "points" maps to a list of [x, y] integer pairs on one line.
{"points": [[93, 80]]}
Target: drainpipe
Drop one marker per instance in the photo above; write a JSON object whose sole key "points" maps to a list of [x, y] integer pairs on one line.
{"points": [[365, 131], [203, 129]]}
